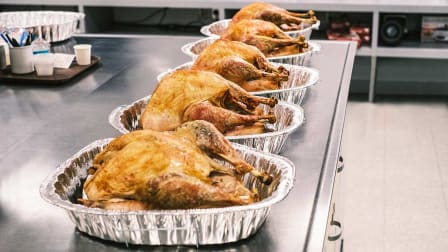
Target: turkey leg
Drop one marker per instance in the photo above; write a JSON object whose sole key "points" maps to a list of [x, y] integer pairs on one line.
{"points": [[237, 96], [267, 44], [223, 119], [279, 18], [240, 71], [208, 139], [268, 30], [262, 63], [308, 14], [177, 191]]}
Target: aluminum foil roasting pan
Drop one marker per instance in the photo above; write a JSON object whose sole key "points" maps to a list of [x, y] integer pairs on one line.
{"points": [[193, 49], [218, 27], [292, 91], [51, 26], [126, 118], [168, 227]]}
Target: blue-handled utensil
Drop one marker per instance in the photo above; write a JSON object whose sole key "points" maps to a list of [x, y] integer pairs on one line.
{"points": [[23, 38]]}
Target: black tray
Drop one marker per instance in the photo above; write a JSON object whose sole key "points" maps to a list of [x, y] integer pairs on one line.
{"points": [[59, 76]]}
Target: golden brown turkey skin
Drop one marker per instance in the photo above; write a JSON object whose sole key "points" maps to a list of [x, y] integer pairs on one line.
{"points": [[265, 36], [169, 170], [187, 95], [288, 21], [242, 64]]}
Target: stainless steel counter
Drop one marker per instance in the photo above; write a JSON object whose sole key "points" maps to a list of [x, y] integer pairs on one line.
{"points": [[42, 125]]}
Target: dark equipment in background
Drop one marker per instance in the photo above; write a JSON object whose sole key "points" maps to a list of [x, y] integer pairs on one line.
{"points": [[392, 29]]}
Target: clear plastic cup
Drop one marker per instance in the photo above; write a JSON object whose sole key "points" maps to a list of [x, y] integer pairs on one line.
{"points": [[44, 64]]}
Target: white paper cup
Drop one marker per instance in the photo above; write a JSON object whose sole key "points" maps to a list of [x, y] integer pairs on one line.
{"points": [[82, 53], [44, 64], [21, 59]]}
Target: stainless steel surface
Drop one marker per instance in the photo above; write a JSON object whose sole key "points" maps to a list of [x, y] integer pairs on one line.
{"points": [[44, 125], [293, 90], [193, 49], [218, 27], [326, 187], [290, 117], [169, 227]]}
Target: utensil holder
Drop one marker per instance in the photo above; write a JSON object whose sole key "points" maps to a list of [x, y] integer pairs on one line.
{"points": [[21, 59]]}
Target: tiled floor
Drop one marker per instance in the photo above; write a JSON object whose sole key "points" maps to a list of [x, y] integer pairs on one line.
{"points": [[395, 181]]}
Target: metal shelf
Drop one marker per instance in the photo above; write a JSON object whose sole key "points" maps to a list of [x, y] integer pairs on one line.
{"points": [[364, 51], [412, 52]]}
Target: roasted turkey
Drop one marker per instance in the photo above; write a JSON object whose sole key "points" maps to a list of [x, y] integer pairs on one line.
{"points": [[241, 63], [148, 169], [286, 20], [266, 36], [187, 95]]}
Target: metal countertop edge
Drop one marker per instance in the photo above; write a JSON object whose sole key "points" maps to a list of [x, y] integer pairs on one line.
{"points": [[317, 230], [143, 36]]}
